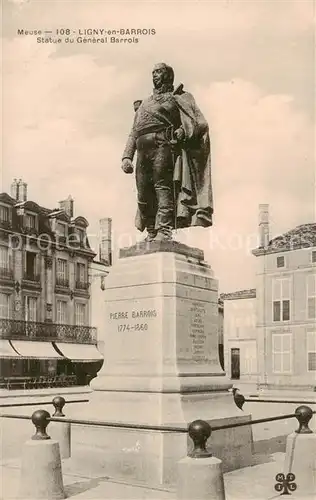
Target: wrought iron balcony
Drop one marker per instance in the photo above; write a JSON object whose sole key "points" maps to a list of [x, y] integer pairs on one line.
{"points": [[63, 282], [12, 329], [6, 272], [82, 285], [32, 277], [5, 223]]}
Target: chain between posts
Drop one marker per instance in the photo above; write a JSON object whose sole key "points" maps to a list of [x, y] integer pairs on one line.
{"points": [[198, 430]]}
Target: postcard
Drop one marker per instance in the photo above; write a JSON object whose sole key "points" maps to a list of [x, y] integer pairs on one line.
{"points": [[158, 249]]}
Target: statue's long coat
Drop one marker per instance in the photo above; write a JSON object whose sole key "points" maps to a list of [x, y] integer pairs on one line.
{"points": [[193, 167], [192, 172]]}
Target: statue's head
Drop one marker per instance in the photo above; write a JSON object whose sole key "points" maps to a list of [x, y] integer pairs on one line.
{"points": [[162, 75]]}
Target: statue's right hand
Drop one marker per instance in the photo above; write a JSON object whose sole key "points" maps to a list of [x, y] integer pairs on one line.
{"points": [[127, 166]]}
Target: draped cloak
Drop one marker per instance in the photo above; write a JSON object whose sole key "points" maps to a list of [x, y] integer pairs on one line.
{"points": [[192, 169]]}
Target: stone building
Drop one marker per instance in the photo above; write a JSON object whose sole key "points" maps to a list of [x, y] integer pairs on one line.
{"points": [[240, 335], [46, 334], [99, 270], [221, 332], [286, 306]]}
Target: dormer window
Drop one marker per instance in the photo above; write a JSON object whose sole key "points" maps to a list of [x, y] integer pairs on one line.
{"points": [[81, 234], [80, 225], [61, 229], [4, 214], [280, 261], [30, 221]]}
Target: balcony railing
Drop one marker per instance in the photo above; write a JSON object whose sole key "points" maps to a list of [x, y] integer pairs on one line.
{"points": [[22, 330], [82, 285], [5, 223], [32, 277], [6, 272], [63, 282]]}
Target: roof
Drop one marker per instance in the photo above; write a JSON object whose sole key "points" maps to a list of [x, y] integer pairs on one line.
{"points": [[303, 236], [15, 224], [250, 293]]}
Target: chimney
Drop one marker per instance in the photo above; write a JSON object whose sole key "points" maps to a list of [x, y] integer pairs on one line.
{"points": [[264, 237], [105, 249], [22, 191], [19, 190], [15, 190], [67, 206]]}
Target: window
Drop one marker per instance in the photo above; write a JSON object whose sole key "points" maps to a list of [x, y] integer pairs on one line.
{"points": [[62, 312], [4, 214], [81, 278], [280, 262], [282, 352], [281, 300], [62, 272], [81, 234], [311, 296], [61, 229], [30, 221], [314, 256], [5, 305], [311, 351], [81, 272], [80, 314], [249, 359], [30, 266], [4, 257], [30, 308]]}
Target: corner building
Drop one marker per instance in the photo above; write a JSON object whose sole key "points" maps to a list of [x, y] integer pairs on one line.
{"points": [[286, 306], [46, 337]]}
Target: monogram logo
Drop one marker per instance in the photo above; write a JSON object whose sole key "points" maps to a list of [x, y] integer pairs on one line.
{"points": [[285, 484]]}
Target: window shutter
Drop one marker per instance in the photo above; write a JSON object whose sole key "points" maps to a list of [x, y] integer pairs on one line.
{"points": [[286, 310], [37, 266], [311, 361], [276, 310]]}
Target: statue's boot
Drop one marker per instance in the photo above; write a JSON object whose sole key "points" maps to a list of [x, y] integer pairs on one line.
{"points": [[165, 212], [164, 235], [151, 234]]}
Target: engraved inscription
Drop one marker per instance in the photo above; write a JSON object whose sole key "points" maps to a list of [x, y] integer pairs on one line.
{"points": [[197, 332], [129, 316]]}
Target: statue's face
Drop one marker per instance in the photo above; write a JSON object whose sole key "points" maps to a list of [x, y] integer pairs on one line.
{"points": [[159, 75]]}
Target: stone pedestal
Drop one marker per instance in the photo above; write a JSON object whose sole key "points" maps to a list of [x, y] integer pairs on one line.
{"points": [[300, 460], [161, 362], [41, 471]]}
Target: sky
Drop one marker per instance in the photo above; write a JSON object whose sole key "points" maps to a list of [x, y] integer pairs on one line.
{"points": [[67, 110]]}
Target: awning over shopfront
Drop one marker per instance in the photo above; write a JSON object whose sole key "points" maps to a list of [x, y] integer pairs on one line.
{"points": [[38, 350], [79, 352], [6, 350]]}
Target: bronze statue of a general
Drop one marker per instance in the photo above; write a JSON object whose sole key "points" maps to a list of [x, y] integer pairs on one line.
{"points": [[173, 168]]}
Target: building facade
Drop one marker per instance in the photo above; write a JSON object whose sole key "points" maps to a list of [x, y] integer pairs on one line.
{"points": [[286, 306], [45, 297], [221, 332], [240, 335]]}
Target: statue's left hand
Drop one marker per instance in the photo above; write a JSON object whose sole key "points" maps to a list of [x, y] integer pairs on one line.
{"points": [[179, 134]]}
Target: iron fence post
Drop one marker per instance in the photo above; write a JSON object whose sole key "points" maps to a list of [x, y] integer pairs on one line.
{"points": [[200, 475]]}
